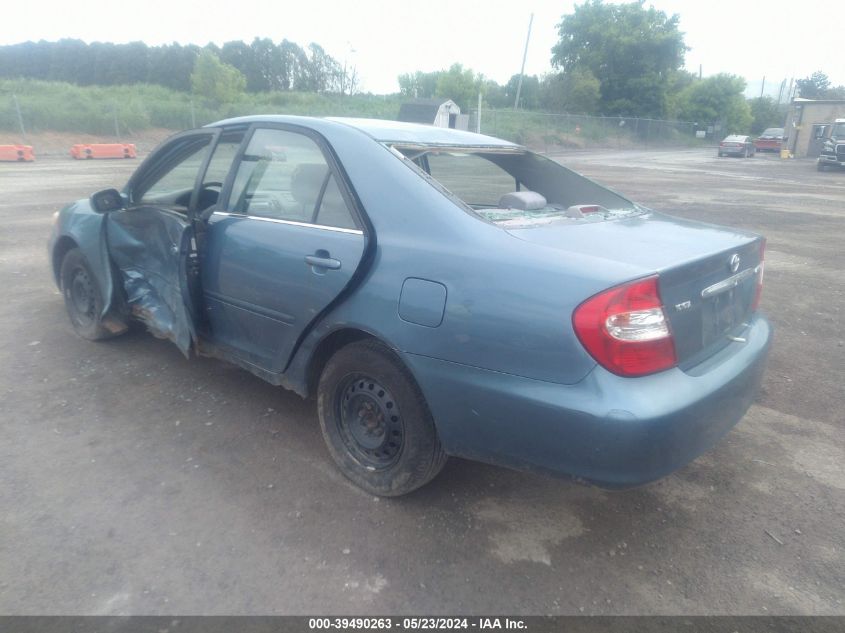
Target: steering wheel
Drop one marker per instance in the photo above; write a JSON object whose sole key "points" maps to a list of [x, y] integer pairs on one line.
{"points": [[213, 183]]}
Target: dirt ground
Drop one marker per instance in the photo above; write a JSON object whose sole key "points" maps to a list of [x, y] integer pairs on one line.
{"points": [[133, 481]]}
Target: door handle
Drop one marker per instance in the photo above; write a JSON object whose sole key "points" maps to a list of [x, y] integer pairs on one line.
{"points": [[322, 260]]}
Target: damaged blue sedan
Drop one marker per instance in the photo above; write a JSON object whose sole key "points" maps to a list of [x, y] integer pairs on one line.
{"points": [[440, 293]]}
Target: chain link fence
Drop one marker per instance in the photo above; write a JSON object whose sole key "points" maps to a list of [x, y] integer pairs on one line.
{"points": [[144, 115], [551, 132]]}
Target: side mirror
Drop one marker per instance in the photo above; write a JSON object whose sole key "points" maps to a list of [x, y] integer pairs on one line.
{"points": [[107, 200]]}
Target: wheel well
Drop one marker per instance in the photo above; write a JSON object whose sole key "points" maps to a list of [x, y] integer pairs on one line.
{"points": [[59, 251], [326, 349]]}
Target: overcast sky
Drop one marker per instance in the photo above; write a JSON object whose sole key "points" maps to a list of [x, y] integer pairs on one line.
{"points": [[384, 38]]}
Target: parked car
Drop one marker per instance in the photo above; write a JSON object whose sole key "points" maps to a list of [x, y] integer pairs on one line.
{"points": [[833, 149], [736, 145], [440, 292], [771, 140]]}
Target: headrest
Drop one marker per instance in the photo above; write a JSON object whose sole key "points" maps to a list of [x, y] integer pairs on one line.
{"points": [[522, 200], [306, 181]]}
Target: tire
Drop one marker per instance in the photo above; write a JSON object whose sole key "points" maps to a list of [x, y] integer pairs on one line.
{"points": [[375, 421], [83, 301], [721, 155], [821, 166]]}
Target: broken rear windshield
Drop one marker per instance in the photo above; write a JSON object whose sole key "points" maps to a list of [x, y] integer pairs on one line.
{"points": [[515, 187]]}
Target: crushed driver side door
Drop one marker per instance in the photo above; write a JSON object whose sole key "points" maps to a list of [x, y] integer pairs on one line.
{"points": [[152, 243]]}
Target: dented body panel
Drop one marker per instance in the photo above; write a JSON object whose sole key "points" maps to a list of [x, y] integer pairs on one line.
{"points": [[79, 226], [138, 275], [150, 249]]}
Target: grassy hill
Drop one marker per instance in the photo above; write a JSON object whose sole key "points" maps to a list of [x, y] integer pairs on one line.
{"points": [[144, 112], [61, 107]]}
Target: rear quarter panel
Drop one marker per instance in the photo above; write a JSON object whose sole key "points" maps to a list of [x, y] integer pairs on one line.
{"points": [[508, 304]]}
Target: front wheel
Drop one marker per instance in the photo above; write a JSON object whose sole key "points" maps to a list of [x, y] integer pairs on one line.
{"points": [[83, 301], [375, 421], [821, 166]]}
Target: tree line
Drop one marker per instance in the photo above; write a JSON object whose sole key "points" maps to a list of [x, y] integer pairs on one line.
{"points": [[622, 60], [610, 60], [264, 64]]}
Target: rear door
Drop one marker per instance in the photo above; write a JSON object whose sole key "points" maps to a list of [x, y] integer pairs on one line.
{"points": [[282, 248], [152, 241]]}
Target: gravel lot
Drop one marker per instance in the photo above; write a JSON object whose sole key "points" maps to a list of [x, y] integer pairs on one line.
{"points": [[133, 481]]}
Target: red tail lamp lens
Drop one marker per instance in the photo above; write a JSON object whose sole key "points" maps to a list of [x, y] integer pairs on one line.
{"points": [[626, 330]]}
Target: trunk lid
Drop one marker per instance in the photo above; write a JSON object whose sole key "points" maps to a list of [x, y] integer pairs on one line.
{"points": [[707, 274]]}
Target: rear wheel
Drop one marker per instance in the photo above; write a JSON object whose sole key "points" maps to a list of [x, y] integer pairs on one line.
{"points": [[83, 301], [375, 421]]}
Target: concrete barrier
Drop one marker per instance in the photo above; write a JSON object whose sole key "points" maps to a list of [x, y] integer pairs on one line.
{"points": [[17, 153], [85, 151]]}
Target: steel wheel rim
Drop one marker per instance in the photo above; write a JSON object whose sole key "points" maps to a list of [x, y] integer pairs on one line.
{"points": [[369, 422], [81, 295]]}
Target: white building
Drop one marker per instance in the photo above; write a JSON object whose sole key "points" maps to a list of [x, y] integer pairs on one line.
{"points": [[437, 112]]}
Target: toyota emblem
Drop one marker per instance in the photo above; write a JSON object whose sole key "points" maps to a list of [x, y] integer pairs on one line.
{"points": [[734, 263]]}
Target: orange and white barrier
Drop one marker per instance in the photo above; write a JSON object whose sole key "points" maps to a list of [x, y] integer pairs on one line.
{"points": [[83, 151], [17, 153]]}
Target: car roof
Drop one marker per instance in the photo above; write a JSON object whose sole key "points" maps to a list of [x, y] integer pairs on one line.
{"points": [[385, 131], [735, 137], [402, 132]]}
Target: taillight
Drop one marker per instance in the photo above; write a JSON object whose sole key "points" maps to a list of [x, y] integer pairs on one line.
{"points": [[758, 291], [626, 330]]}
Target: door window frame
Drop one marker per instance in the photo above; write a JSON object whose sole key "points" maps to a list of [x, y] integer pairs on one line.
{"points": [[153, 167], [336, 170]]}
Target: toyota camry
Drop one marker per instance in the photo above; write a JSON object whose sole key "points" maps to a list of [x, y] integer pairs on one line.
{"points": [[438, 292]]}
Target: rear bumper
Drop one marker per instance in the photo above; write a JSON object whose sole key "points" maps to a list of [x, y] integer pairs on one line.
{"points": [[613, 431]]}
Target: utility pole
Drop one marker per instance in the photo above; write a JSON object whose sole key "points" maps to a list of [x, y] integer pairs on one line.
{"points": [[478, 115], [20, 117], [116, 124], [763, 87], [522, 70], [346, 80]]}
